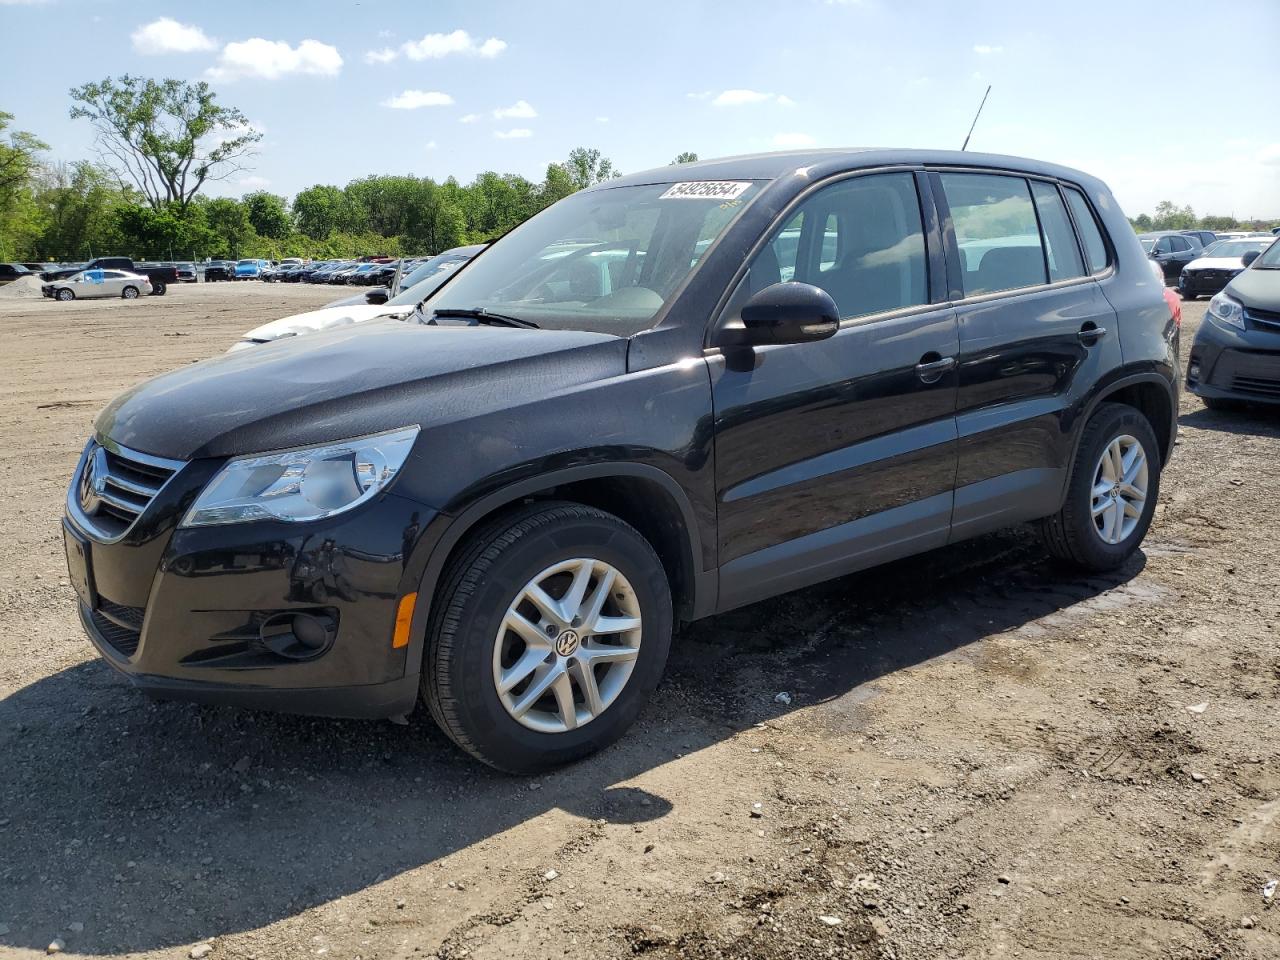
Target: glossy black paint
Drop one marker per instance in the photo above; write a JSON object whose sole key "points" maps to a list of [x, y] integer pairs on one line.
{"points": [[757, 469]]}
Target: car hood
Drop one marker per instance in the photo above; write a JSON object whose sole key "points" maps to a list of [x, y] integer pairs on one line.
{"points": [[325, 318], [1216, 263], [349, 383], [1257, 288]]}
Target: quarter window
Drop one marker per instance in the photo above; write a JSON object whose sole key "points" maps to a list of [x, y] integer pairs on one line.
{"points": [[1095, 250], [860, 240], [996, 231], [1059, 239]]}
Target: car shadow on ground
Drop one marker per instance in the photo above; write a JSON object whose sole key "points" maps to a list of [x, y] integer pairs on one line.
{"points": [[1253, 419], [158, 824]]}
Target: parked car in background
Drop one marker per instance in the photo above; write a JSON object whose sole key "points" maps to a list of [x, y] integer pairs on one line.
{"points": [[347, 312], [1235, 356], [505, 509], [248, 269], [186, 272], [1218, 264], [1205, 237], [89, 284], [38, 267], [1171, 250], [446, 261], [160, 275], [216, 270], [10, 272]]}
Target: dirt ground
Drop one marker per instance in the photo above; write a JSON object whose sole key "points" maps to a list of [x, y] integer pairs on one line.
{"points": [[982, 755]]}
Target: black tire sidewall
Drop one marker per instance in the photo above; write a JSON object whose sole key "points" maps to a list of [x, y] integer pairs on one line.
{"points": [[1110, 422], [502, 740]]}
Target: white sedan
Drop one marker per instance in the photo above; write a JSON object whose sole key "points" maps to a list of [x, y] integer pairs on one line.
{"points": [[98, 283]]}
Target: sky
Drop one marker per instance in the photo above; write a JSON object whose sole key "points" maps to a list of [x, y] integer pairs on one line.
{"points": [[1173, 100]]}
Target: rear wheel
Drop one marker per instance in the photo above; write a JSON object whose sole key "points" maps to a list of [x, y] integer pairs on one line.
{"points": [[64, 295], [1115, 483], [129, 293], [158, 289], [550, 632]]}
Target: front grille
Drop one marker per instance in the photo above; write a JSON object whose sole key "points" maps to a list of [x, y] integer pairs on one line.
{"points": [[1262, 319], [115, 486], [1251, 372], [119, 625]]}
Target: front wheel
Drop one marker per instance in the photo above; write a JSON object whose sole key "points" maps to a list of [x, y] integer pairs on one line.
{"points": [[66, 295], [158, 289], [549, 634], [1111, 498]]}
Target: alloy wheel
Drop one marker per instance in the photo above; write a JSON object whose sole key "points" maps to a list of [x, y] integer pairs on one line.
{"points": [[567, 645], [1119, 489]]}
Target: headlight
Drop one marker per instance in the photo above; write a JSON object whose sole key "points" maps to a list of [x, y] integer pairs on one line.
{"points": [[1228, 312], [309, 483]]}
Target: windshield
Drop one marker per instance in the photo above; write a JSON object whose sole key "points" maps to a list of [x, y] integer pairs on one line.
{"points": [[604, 261], [1234, 248], [1269, 260], [247, 263], [412, 296], [427, 268]]}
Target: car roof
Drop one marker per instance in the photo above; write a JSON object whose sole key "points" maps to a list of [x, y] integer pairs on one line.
{"points": [[821, 163]]}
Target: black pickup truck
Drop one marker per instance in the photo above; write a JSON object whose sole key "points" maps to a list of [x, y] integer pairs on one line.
{"points": [[160, 276]]}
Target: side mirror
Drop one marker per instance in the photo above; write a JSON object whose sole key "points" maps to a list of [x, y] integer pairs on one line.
{"points": [[788, 312], [1251, 256], [376, 297]]}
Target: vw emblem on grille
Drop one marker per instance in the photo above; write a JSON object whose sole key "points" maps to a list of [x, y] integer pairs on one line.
{"points": [[93, 482]]}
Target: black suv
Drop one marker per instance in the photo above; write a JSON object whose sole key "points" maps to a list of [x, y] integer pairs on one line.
{"points": [[1172, 251], [664, 397]]}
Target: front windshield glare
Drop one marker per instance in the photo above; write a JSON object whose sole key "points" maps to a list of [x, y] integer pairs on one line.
{"points": [[1271, 259], [604, 260]]}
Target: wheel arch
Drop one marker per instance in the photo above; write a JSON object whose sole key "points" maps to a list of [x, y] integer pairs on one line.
{"points": [[644, 496]]}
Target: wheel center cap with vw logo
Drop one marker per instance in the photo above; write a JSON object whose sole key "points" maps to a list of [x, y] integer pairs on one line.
{"points": [[93, 482], [567, 643]]}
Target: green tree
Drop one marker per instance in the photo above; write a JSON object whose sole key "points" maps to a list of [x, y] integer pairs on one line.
{"points": [[587, 167], [320, 210], [81, 205], [229, 227], [1169, 216], [19, 159], [168, 137], [1209, 222], [1141, 223], [268, 215], [686, 157]]}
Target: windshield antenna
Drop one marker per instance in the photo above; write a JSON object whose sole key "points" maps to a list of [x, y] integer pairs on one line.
{"points": [[975, 119]]}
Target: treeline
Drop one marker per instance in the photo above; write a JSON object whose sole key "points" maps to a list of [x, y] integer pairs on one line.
{"points": [[53, 211], [1169, 216]]}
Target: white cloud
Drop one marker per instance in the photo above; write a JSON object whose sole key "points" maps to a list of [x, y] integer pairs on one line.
{"points": [[520, 110], [602, 119], [983, 49], [385, 55], [436, 45], [739, 97], [22, 3], [413, 99], [385, 34], [431, 145], [788, 141], [269, 59], [470, 118], [167, 35], [519, 133], [253, 182], [1270, 155]]}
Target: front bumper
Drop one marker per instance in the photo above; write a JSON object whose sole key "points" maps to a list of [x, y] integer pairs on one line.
{"points": [[1235, 365], [189, 614], [1203, 283]]}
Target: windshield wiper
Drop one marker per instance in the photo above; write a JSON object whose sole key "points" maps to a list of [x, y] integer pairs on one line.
{"points": [[481, 315]]}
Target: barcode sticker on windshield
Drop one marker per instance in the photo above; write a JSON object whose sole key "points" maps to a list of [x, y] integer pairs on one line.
{"points": [[706, 190]]}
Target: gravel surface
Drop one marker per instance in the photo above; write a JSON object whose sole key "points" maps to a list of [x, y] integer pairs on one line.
{"points": [[978, 754]]}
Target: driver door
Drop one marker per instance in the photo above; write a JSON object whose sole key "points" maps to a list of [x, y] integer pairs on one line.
{"points": [[840, 454]]}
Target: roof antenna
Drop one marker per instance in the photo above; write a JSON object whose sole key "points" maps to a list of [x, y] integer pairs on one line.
{"points": [[975, 119]]}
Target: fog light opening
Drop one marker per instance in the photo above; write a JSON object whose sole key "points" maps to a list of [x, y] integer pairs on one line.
{"points": [[298, 635]]}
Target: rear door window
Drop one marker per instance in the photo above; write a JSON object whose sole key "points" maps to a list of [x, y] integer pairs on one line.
{"points": [[1055, 226], [996, 230]]}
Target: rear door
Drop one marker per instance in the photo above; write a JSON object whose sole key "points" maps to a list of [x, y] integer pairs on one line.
{"points": [[1035, 333], [836, 455]]}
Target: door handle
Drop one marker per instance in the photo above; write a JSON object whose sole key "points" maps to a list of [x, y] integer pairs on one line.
{"points": [[931, 371], [1091, 335]]}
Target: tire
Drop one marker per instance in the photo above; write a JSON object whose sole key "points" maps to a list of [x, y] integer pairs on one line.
{"points": [[65, 295], [158, 289], [468, 641], [129, 293], [1189, 296], [1072, 534]]}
